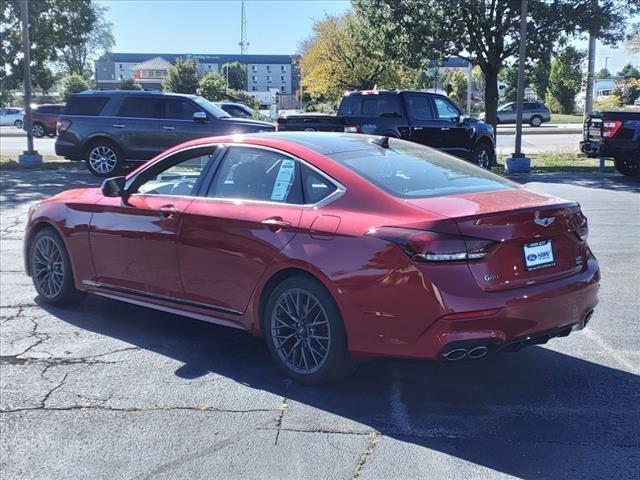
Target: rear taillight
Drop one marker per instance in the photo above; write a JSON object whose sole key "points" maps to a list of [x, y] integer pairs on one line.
{"points": [[429, 246], [610, 128], [352, 129], [583, 228], [62, 126]]}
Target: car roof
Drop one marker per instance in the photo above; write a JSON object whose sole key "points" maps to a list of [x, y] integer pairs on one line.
{"points": [[132, 92]]}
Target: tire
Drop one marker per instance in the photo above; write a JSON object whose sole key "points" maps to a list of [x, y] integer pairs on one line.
{"points": [[50, 269], [39, 130], [535, 121], [483, 155], [315, 351], [627, 167], [18, 124], [103, 159]]}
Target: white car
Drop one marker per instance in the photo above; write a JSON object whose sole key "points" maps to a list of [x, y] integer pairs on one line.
{"points": [[11, 116]]}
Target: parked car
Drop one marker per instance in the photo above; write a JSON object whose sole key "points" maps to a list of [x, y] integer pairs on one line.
{"points": [[331, 246], [422, 117], [11, 116], [237, 110], [614, 134], [44, 119], [106, 129], [533, 113]]}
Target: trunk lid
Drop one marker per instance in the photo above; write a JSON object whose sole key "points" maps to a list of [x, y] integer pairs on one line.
{"points": [[513, 219]]}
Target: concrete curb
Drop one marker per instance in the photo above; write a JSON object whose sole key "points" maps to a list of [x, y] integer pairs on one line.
{"points": [[13, 133], [542, 131]]}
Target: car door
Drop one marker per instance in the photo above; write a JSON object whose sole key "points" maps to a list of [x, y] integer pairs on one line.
{"points": [[251, 212], [454, 135], [179, 126], [424, 127], [507, 114], [136, 126], [133, 243]]}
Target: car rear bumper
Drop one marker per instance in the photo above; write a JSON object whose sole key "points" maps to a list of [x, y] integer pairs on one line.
{"points": [[67, 149]]}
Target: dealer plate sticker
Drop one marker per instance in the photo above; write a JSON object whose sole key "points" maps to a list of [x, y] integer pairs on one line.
{"points": [[538, 255]]}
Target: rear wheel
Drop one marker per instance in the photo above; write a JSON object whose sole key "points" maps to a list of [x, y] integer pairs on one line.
{"points": [[38, 130], [535, 121], [104, 159], [50, 269], [627, 167], [304, 332], [483, 155], [18, 124]]}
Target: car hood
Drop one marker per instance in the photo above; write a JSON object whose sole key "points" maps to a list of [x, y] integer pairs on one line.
{"points": [[247, 124]]}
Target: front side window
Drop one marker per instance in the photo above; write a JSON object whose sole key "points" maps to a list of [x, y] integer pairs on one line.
{"points": [[180, 176], [408, 170], [141, 107], [445, 109], [257, 174], [177, 109]]}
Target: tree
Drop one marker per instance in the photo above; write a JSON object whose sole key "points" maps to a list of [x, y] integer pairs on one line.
{"points": [[455, 83], [182, 77], [53, 25], [237, 75], [565, 79], [632, 45], [538, 74], [603, 73], [44, 78], [244, 97], [509, 76], [86, 45], [213, 87], [629, 71], [73, 83], [487, 30], [129, 84], [342, 54]]}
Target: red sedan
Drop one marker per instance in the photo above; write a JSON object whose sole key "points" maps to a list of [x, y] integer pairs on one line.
{"points": [[334, 247]]}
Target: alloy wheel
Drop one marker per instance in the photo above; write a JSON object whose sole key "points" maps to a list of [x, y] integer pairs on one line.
{"points": [[38, 130], [18, 124], [483, 158], [103, 159], [48, 267], [301, 331]]}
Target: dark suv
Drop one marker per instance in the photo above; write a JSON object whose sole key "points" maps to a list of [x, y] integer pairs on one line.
{"points": [[109, 128]]}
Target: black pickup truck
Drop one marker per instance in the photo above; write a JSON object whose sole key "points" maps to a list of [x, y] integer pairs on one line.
{"points": [[614, 134], [422, 117]]}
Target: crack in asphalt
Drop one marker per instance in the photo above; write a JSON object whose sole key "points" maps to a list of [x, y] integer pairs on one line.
{"points": [[374, 438]]}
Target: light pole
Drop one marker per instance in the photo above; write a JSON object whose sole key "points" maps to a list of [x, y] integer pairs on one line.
{"points": [[30, 157]]}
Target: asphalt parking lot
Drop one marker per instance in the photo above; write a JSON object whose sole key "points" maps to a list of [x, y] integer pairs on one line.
{"points": [[111, 390]]}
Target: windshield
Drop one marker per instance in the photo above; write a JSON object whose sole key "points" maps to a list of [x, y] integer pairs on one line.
{"points": [[408, 170], [212, 108]]}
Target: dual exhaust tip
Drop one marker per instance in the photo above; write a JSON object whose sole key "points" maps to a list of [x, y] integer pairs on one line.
{"points": [[472, 353]]}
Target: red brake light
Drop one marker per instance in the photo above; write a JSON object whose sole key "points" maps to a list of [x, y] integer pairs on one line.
{"points": [[352, 129], [62, 126], [610, 128], [429, 246]]}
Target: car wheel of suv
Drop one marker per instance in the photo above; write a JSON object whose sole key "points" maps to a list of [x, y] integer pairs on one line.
{"points": [[304, 332], [38, 130], [18, 124], [104, 159], [483, 155], [535, 121], [625, 166], [50, 269]]}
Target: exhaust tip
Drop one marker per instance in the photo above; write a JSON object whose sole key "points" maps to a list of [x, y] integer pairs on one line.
{"points": [[478, 352], [457, 354]]}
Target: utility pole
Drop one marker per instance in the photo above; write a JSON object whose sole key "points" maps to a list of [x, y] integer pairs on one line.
{"points": [[469, 79], [591, 68], [30, 157], [244, 44], [517, 158]]}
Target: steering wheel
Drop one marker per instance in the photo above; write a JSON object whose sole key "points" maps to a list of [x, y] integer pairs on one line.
{"points": [[184, 187]]}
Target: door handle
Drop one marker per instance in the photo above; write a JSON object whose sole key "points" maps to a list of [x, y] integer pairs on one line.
{"points": [[117, 125], [169, 211], [444, 129], [168, 128], [417, 128], [275, 223]]}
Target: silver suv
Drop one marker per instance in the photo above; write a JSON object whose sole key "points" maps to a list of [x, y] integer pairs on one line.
{"points": [[534, 113]]}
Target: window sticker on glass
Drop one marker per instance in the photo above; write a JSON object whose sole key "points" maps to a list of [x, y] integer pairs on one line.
{"points": [[284, 180]]}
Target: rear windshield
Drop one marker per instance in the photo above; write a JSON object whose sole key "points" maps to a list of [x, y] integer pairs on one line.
{"points": [[85, 105], [408, 170]]}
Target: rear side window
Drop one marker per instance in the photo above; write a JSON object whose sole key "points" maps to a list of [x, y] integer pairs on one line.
{"points": [[315, 186], [419, 107], [91, 106], [408, 170], [141, 107], [178, 109]]}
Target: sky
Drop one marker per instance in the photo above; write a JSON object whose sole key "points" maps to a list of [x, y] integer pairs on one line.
{"points": [[273, 27]]}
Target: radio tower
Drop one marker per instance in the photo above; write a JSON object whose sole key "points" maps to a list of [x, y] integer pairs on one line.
{"points": [[244, 44]]}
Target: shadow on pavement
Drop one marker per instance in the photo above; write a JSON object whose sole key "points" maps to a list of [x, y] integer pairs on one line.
{"points": [[606, 181], [535, 414]]}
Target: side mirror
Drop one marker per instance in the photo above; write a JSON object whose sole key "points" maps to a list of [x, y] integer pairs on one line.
{"points": [[199, 117], [114, 187]]}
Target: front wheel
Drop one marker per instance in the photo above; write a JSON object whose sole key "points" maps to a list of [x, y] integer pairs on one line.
{"points": [[104, 159], [627, 167], [304, 332], [483, 155], [18, 124]]}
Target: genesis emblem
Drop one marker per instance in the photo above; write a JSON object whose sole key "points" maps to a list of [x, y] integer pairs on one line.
{"points": [[490, 277], [544, 222]]}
